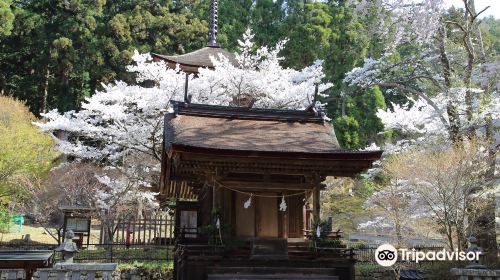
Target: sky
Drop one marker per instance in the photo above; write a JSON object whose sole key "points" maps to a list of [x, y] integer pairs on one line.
{"points": [[493, 10]]}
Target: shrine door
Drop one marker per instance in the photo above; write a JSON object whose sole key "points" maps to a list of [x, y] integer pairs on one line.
{"points": [[258, 220]]}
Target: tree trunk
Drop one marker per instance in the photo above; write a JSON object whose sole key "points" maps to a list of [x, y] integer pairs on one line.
{"points": [[43, 107], [399, 235], [451, 109], [485, 230], [469, 47]]}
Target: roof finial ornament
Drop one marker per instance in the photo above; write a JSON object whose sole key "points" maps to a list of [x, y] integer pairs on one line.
{"points": [[212, 29]]}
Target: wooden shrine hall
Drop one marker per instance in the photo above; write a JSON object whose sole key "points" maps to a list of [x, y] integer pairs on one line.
{"points": [[245, 184], [255, 176]]}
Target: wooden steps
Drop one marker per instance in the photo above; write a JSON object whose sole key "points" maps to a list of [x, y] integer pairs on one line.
{"points": [[299, 250], [268, 273]]}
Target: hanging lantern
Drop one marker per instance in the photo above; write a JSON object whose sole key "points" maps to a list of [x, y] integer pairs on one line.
{"points": [[248, 203], [283, 204]]}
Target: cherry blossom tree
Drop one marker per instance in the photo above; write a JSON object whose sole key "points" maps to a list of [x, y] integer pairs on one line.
{"points": [[443, 185], [440, 64], [451, 82], [121, 127]]}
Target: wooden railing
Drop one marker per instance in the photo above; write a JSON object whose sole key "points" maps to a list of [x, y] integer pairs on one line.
{"points": [[333, 235], [151, 230]]}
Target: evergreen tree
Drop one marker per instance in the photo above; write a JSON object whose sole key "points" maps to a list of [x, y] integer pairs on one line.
{"points": [[234, 19], [307, 26], [352, 109], [267, 21], [6, 17], [61, 51]]}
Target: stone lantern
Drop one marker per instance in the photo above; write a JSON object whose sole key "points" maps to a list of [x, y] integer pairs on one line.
{"points": [[68, 248], [476, 249]]}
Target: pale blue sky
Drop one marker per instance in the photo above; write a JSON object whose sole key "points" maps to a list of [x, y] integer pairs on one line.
{"points": [[494, 9]]}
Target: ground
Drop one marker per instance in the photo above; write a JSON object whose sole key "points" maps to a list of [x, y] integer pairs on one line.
{"points": [[38, 234]]}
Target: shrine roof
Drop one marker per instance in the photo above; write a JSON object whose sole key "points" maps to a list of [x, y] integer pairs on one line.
{"points": [[198, 58], [225, 129]]}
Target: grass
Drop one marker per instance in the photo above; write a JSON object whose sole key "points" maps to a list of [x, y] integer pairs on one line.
{"points": [[367, 269], [431, 270], [121, 254], [149, 270], [38, 234], [149, 265]]}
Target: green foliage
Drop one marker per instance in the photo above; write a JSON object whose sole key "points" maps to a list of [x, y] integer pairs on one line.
{"points": [[5, 219], [6, 17], [347, 47], [81, 44], [317, 240], [148, 269], [326, 243], [149, 265], [267, 20], [359, 125], [343, 200], [216, 234], [308, 31], [234, 18], [347, 131], [352, 110], [358, 245], [26, 152], [490, 28], [367, 269], [322, 241]]}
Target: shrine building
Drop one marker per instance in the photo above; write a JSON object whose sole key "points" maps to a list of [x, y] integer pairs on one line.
{"points": [[245, 186]]}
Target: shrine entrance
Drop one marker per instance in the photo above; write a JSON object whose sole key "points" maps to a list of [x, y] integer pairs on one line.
{"points": [[266, 216], [260, 219], [261, 172]]}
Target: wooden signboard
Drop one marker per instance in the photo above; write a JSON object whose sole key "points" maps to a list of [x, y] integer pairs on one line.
{"points": [[77, 224]]}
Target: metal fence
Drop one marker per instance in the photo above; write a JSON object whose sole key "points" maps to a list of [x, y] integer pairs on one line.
{"points": [[366, 253], [106, 252], [164, 252]]}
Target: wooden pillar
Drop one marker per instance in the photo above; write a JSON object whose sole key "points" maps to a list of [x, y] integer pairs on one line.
{"points": [[316, 202]]}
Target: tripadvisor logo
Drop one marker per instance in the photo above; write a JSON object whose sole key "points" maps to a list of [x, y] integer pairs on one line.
{"points": [[387, 255]]}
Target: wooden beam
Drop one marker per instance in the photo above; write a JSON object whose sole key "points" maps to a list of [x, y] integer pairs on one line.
{"points": [[264, 186], [325, 171], [283, 161], [279, 155]]}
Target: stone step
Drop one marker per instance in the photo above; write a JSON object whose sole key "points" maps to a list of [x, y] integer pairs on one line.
{"points": [[270, 270], [270, 277]]}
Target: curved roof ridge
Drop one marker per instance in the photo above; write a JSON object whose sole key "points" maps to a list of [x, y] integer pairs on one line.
{"points": [[190, 62]]}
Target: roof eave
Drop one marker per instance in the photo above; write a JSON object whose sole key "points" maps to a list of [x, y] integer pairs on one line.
{"points": [[337, 155], [182, 65]]}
